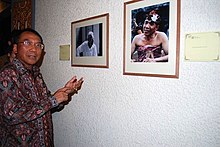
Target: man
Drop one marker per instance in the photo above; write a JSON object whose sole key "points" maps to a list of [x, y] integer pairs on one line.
{"points": [[25, 101], [88, 47], [11, 42], [9, 55], [136, 29], [151, 45]]}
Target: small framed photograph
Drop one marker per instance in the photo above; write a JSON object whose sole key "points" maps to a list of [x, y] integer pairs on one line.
{"points": [[151, 38], [90, 42]]}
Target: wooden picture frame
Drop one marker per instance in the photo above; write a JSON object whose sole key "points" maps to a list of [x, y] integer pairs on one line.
{"points": [[139, 56], [85, 54]]}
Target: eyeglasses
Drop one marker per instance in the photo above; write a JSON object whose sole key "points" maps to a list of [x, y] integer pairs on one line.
{"points": [[29, 43]]}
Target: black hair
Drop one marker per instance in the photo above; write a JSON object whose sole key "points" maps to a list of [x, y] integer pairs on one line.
{"points": [[29, 30], [13, 40], [14, 36], [154, 16]]}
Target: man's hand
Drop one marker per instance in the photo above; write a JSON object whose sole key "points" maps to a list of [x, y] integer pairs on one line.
{"points": [[74, 85], [149, 60], [70, 88], [61, 95]]}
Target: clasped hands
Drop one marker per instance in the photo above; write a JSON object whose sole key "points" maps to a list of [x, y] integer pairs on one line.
{"points": [[70, 88]]}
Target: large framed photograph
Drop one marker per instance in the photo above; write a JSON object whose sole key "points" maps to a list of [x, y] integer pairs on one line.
{"points": [[90, 42], [151, 38]]}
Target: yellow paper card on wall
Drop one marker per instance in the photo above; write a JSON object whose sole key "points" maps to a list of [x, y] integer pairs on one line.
{"points": [[65, 52], [202, 46]]}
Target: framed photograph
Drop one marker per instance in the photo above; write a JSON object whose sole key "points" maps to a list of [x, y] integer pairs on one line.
{"points": [[151, 38], [90, 42]]}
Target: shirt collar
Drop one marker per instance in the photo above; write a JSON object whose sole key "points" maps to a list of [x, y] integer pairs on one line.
{"points": [[22, 69]]}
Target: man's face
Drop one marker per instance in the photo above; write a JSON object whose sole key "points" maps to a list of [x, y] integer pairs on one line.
{"points": [[90, 41], [28, 53], [149, 27]]}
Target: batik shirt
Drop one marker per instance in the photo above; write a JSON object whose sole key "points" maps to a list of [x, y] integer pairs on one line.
{"points": [[25, 104]]}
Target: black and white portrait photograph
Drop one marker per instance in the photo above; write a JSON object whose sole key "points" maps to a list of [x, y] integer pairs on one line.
{"points": [[90, 41]]}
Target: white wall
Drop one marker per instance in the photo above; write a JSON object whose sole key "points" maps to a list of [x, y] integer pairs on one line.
{"points": [[114, 110]]}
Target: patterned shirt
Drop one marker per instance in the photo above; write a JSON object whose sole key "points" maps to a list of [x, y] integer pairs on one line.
{"points": [[25, 104]]}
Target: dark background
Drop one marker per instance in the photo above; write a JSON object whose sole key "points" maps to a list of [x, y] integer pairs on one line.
{"points": [[5, 25]]}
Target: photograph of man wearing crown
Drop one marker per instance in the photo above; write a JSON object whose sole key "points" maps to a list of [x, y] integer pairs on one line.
{"points": [[151, 45]]}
